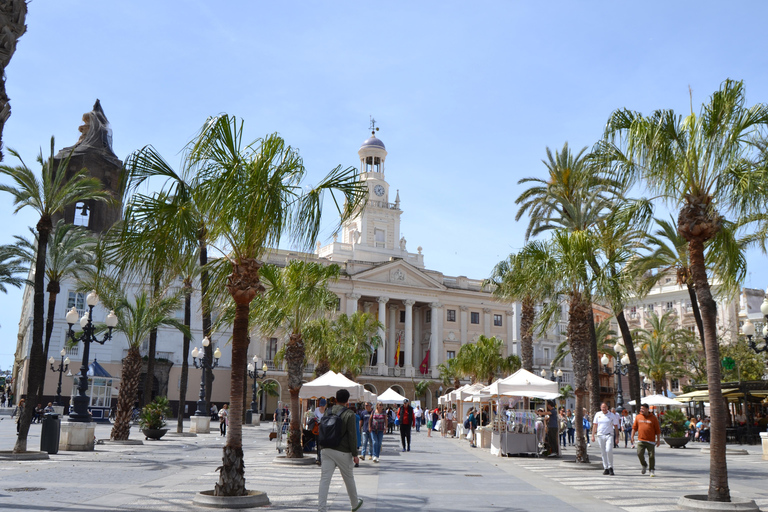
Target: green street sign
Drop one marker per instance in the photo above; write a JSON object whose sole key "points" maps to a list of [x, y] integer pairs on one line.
{"points": [[728, 363]]}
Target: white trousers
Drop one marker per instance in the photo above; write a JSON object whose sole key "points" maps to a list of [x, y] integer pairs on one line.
{"points": [[332, 458], [606, 449]]}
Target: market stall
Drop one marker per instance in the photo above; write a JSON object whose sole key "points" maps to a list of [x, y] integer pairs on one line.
{"points": [[514, 431], [390, 396]]}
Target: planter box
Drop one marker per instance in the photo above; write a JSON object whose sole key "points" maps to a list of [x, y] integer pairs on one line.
{"points": [[677, 442]]}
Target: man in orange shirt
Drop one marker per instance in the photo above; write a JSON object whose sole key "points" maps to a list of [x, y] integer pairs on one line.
{"points": [[648, 431]]}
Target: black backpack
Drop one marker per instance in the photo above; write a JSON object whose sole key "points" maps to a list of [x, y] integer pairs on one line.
{"points": [[331, 429]]}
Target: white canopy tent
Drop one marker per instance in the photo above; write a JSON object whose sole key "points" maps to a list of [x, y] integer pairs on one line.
{"points": [[524, 383], [328, 383], [390, 396], [657, 400]]}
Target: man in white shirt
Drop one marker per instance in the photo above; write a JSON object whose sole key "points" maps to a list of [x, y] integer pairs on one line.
{"points": [[604, 428], [418, 413]]}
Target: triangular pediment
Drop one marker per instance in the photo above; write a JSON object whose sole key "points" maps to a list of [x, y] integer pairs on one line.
{"points": [[399, 273]]}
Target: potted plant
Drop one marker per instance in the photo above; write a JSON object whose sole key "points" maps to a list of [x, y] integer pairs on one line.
{"points": [[152, 418], [674, 424]]}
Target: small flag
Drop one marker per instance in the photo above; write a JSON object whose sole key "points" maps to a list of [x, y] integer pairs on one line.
{"points": [[424, 368]]}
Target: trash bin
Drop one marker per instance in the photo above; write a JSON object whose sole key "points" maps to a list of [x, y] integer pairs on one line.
{"points": [[249, 417], [49, 436]]}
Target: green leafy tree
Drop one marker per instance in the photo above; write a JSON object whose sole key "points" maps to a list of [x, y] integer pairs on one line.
{"points": [[48, 196], [14, 15], [450, 374], [748, 365], [11, 268], [709, 166]]}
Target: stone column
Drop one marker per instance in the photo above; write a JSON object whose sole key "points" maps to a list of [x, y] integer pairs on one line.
{"points": [[464, 322], [511, 345], [352, 299], [392, 345], [436, 339], [408, 342], [487, 322], [381, 352]]}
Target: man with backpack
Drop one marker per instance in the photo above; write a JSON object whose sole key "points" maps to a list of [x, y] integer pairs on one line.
{"points": [[338, 439], [407, 419]]}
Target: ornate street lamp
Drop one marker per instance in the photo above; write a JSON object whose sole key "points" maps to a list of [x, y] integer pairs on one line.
{"points": [[621, 368], [206, 365], [645, 384], [88, 336], [439, 392], [63, 367], [253, 373], [557, 376], [749, 329]]}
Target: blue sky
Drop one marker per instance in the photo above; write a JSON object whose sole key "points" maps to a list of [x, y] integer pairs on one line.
{"points": [[468, 95]]}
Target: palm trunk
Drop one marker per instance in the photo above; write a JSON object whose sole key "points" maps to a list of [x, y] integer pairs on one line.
{"points": [[294, 362], [634, 371], [37, 362], [12, 18], [697, 314], [53, 291], [528, 313], [243, 285], [594, 365], [232, 470], [184, 361], [323, 366], [718, 470], [129, 389], [579, 339], [149, 378]]}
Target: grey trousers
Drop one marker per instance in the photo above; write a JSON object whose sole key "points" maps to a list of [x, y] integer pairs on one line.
{"points": [[331, 459], [642, 446]]}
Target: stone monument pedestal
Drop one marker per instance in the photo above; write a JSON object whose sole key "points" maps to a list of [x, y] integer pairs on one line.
{"points": [[764, 439], [77, 436], [200, 424]]}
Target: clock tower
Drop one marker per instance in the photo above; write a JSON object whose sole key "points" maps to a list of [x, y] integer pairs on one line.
{"points": [[373, 234]]}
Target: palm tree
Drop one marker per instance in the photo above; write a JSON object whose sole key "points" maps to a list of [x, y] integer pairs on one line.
{"points": [[296, 295], [661, 347], [70, 252], [180, 211], [136, 320], [256, 198], [10, 268], [574, 197], [48, 196], [357, 337], [12, 18], [482, 361], [707, 165], [450, 374]]}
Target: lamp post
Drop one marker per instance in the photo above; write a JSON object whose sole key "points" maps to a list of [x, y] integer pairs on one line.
{"points": [[621, 368], [206, 365], [253, 373], [557, 376], [439, 392], [88, 336], [749, 329], [63, 367]]}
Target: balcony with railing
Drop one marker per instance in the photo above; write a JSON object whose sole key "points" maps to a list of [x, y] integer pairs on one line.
{"points": [[369, 370]]}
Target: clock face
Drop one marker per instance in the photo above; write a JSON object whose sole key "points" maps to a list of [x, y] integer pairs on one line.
{"points": [[378, 190]]}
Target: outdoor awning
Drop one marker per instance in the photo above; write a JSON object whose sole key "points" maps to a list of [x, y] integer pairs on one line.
{"points": [[701, 395]]}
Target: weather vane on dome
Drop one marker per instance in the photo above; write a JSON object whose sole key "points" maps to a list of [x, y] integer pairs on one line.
{"points": [[374, 129]]}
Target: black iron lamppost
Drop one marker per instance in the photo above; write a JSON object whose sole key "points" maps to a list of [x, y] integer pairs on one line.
{"points": [[88, 336], [206, 365], [63, 366], [749, 329], [557, 376], [621, 368], [253, 373]]}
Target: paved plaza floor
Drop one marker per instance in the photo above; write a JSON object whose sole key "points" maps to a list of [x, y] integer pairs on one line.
{"points": [[438, 474]]}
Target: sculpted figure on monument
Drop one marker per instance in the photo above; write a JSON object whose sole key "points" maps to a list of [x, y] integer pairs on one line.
{"points": [[95, 136]]}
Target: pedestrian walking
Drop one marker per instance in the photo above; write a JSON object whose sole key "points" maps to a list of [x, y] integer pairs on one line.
{"points": [[648, 431], [471, 425], [390, 420], [378, 424], [627, 420], [563, 427], [365, 425], [604, 428], [587, 425], [553, 429], [223, 419], [616, 421], [571, 427], [417, 412], [319, 411], [407, 420], [343, 455]]}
